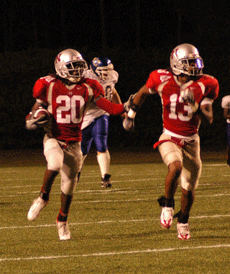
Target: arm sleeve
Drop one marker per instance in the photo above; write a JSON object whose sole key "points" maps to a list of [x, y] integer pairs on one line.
{"points": [[211, 87], [111, 108], [39, 90]]}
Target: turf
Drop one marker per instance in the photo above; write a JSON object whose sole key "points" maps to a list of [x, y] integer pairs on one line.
{"points": [[115, 230]]}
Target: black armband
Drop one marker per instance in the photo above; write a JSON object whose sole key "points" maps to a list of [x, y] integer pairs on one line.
{"points": [[134, 107]]}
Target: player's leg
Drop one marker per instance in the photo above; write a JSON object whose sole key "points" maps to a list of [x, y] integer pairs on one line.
{"points": [[103, 159], [171, 180], [87, 139], [228, 145], [172, 157], [54, 157], [69, 177], [100, 136], [189, 181]]}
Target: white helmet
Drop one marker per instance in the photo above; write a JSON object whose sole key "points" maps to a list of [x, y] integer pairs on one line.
{"points": [[69, 64], [185, 59]]}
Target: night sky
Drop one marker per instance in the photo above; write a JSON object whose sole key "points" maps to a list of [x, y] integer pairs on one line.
{"points": [[127, 24], [138, 36]]}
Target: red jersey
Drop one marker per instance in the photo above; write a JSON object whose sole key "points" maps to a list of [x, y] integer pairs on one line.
{"points": [[178, 116], [67, 104]]}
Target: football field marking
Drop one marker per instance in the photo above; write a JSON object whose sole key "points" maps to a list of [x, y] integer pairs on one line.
{"points": [[160, 250], [112, 191], [109, 222]]}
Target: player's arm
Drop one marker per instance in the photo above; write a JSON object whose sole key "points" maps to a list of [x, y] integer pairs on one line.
{"points": [[116, 97], [225, 104], [38, 116], [136, 101], [117, 100], [226, 113], [38, 104], [140, 96], [111, 108], [101, 102], [205, 111]]}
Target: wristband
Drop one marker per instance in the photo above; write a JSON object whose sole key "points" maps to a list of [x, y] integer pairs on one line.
{"points": [[131, 114]]}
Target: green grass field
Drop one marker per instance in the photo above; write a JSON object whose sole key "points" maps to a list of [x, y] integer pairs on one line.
{"points": [[116, 230]]}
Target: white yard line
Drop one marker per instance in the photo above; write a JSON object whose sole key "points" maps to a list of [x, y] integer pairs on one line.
{"points": [[109, 222], [160, 250]]}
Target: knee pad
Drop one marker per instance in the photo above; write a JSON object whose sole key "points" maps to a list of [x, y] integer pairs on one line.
{"points": [[190, 176], [53, 154], [170, 153], [71, 169], [68, 185]]}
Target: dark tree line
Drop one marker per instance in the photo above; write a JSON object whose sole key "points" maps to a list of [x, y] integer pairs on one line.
{"points": [[98, 25], [137, 35]]}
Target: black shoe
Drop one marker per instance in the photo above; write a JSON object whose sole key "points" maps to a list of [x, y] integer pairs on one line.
{"points": [[228, 162], [105, 182]]}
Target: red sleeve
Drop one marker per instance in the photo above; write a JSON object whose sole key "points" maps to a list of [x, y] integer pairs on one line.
{"points": [[157, 77], [110, 107], [211, 86], [40, 88]]}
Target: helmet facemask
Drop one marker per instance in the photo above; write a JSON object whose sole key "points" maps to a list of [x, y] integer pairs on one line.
{"points": [[192, 67], [103, 72], [75, 71]]}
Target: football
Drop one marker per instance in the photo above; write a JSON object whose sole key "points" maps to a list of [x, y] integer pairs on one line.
{"points": [[41, 113]]}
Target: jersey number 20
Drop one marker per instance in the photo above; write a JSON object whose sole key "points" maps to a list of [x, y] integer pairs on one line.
{"points": [[70, 110]]}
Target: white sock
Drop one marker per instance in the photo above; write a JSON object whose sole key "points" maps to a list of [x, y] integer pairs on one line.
{"points": [[103, 159]]}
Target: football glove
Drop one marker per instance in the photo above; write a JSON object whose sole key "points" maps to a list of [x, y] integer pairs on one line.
{"points": [[34, 123], [128, 124], [127, 105], [131, 108], [187, 96]]}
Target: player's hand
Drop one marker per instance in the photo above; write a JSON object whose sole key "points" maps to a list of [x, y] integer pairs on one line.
{"points": [[128, 124], [128, 104], [187, 96], [32, 123]]}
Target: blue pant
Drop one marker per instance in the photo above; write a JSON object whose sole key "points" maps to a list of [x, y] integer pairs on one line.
{"points": [[228, 133], [98, 132]]}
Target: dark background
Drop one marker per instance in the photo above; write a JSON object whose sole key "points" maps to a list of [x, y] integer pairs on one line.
{"points": [[137, 36]]}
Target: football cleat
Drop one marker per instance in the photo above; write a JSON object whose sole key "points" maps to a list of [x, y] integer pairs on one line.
{"points": [[63, 231], [183, 231], [228, 162], [36, 208], [105, 182], [166, 217]]}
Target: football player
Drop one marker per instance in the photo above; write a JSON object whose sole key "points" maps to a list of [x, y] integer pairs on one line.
{"points": [[225, 104], [187, 96], [95, 126], [65, 95]]}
